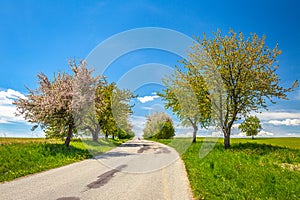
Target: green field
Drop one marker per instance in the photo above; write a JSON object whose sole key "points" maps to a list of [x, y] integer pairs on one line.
{"points": [[23, 156], [263, 168]]}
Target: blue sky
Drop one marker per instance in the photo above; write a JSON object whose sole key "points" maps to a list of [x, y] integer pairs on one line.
{"points": [[40, 36]]}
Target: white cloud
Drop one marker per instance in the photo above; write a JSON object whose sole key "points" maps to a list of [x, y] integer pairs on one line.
{"points": [[145, 99], [216, 134], [7, 109], [278, 115], [262, 133], [265, 133], [240, 134], [180, 133], [236, 126], [7, 97], [286, 122]]}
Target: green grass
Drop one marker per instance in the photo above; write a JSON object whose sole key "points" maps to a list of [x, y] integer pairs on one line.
{"points": [[23, 156], [264, 168], [289, 142]]}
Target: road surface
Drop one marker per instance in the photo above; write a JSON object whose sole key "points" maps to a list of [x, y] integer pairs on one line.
{"points": [[138, 169]]}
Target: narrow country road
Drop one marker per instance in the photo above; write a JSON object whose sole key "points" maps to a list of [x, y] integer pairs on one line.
{"points": [[138, 169]]}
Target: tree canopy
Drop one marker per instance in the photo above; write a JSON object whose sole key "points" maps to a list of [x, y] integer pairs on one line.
{"points": [[50, 105], [251, 126], [187, 96], [239, 73], [159, 125], [71, 103]]}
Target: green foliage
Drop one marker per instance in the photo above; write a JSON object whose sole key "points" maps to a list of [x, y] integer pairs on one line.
{"points": [[166, 130], [187, 95], [77, 104], [251, 126], [159, 126], [113, 112], [122, 134], [23, 156], [249, 170], [244, 70]]}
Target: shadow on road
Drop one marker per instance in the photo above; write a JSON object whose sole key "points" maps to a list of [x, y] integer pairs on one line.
{"points": [[105, 178]]}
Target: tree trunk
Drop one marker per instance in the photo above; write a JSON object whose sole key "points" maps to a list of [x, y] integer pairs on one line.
{"points": [[252, 137], [95, 136], [106, 135], [70, 132], [227, 137], [96, 133], [227, 141], [195, 133], [113, 136]]}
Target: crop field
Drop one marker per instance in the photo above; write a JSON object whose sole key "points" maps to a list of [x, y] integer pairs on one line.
{"points": [[263, 168], [23, 156]]}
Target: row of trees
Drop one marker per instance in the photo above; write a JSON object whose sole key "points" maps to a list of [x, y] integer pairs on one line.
{"points": [[77, 104], [224, 79]]}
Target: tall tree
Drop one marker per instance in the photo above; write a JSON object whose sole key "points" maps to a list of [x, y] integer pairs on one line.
{"points": [[187, 95], [104, 113], [52, 104], [121, 107], [90, 123], [247, 67], [112, 111]]}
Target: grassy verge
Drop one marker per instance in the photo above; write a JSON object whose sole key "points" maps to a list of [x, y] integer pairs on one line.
{"points": [[23, 156], [252, 169]]}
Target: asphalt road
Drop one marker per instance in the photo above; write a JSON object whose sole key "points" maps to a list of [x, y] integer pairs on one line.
{"points": [[138, 169]]}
